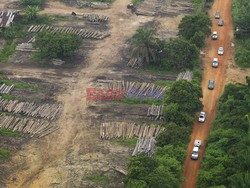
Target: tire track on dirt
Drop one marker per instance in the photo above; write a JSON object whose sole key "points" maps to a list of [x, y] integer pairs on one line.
{"points": [[210, 97]]}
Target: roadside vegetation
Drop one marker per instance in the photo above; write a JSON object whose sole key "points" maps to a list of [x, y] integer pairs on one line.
{"points": [[164, 168], [226, 161], [241, 17], [201, 5]]}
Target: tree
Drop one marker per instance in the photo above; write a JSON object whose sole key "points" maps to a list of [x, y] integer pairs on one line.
{"points": [[179, 55], [199, 22], [174, 134], [198, 39], [57, 45], [31, 12], [143, 45], [186, 95]]}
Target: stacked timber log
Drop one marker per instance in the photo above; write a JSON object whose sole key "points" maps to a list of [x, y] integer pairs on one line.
{"points": [[145, 145], [149, 7], [26, 47], [187, 75], [99, 5], [30, 109], [5, 89], [94, 5], [34, 127], [33, 39], [135, 62], [77, 31], [136, 90], [96, 18], [111, 130], [155, 112]]}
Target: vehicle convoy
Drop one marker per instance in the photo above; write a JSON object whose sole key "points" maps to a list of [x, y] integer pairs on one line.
{"points": [[196, 148], [220, 51], [211, 84], [215, 63], [215, 35], [202, 117], [220, 22]]}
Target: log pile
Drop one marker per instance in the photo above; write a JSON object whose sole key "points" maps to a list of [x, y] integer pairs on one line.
{"points": [[30, 109], [95, 5], [5, 89], [187, 75], [155, 112], [145, 145], [26, 47], [34, 127], [80, 32], [135, 62], [99, 5], [149, 7], [96, 18], [136, 90], [111, 130]]}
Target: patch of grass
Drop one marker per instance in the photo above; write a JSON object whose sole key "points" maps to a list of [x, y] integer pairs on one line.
{"points": [[136, 101], [6, 132], [4, 154], [21, 85], [157, 69], [135, 2], [164, 83], [8, 49], [98, 179], [7, 96], [128, 142]]}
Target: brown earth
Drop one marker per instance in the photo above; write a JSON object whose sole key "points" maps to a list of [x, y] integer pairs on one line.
{"points": [[211, 97]]}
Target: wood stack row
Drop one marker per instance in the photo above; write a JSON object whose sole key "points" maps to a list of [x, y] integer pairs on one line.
{"points": [[136, 90], [145, 145], [35, 127], [99, 5], [5, 89], [96, 18], [80, 32], [155, 112], [26, 47], [149, 7], [187, 75], [128, 130], [135, 63], [30, 109]]}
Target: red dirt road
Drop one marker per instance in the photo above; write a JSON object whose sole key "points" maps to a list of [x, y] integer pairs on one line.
{"points": [[210, 97]]}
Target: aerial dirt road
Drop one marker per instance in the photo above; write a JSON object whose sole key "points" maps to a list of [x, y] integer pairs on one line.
{"points": [[210, 97]]}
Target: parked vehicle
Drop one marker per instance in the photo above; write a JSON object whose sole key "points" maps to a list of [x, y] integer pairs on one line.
{"points": [[220, 51], [217, 15], [215, 63], [215, 35], [196, 148], [211, 84], [202, 117], [220, 22]]}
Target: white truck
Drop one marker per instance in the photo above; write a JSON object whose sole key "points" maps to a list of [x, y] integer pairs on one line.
{"points": [[196, 148]]}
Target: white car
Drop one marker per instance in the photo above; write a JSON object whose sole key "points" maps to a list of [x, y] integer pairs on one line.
{"points": [[215, 35], [215, 63], [196, 148], [220, 51], [202, 117]]}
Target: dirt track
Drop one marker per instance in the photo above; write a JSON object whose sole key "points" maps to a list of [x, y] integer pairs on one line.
{"points": [[211, 97]]}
